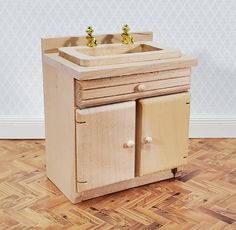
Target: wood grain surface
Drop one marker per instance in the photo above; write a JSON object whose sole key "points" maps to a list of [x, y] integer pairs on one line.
{"points": [[165, 120], [95, 144], [130, 87], [60, 129], [203, 198]]}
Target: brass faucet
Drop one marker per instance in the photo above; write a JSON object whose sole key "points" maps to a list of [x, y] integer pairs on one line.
{"points": [[92, 42], [127, 38]]}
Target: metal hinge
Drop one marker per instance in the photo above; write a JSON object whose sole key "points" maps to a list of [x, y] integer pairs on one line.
{"points": [[82, 182], [81, 122]]}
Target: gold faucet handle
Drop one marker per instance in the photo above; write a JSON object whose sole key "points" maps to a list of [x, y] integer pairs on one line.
{"points": [[127, 38], [91, 40], [125, 29], [89, 30]]}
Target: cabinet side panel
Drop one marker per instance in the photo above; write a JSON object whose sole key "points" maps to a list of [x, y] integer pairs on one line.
{"points": [[60, 129]]}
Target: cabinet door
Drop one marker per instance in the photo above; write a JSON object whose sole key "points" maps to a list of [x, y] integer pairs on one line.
{"points": [[105, 138], [162, 133]]}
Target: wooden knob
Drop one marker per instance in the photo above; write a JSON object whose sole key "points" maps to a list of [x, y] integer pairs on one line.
{"points": [[147, 140], [129, 144], [140, 88]]}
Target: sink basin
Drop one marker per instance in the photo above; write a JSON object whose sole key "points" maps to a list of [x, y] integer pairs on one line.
{"points": [[110, 54], [117, 49]]}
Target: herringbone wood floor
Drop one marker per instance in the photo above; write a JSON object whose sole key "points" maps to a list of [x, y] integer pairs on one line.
{"points": [[204, 198]]}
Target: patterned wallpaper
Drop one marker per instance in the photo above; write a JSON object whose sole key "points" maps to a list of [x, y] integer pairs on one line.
{"points": [[205, 29]]}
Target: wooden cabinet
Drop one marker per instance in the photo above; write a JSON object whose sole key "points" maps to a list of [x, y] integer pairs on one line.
{"points": [[114, 127], [162, 133], [105, 138]]}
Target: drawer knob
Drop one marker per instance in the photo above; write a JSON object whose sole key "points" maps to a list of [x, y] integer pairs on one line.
{"points": [[129, 144], [140, 88], [147, 140]]}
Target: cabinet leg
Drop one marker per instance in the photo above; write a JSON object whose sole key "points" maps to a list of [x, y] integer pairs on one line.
{"points": [[174, 171]]}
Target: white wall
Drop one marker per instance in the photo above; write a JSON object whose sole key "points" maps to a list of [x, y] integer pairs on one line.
{"points": [[205, 29]]}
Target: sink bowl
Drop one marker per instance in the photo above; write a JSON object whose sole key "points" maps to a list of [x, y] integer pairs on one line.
{"points": [[117, 49], [110, 54]]}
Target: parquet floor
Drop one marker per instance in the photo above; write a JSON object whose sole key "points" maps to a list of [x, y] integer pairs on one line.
{"points": [[204, 198]]}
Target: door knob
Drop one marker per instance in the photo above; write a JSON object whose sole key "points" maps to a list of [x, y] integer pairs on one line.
{"points": [[147, 140], [129, 144]]}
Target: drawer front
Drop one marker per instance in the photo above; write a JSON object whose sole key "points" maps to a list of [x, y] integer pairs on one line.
{"points": [[103, 91], [105, 138], [133, 88], [162, 133]]}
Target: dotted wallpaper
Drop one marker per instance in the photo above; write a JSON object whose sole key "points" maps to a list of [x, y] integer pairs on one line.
{"points": [[205, 29]]}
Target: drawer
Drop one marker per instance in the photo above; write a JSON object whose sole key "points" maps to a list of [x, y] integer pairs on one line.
{"points": [[103, 91]]}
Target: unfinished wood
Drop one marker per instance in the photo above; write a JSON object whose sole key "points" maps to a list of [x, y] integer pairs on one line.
{"points": [[118, 98], [164, 121], [133, 78], [126, 184], [110, 54], [60, 129], [92, 151], [132, 88], [103, 145], [88, 73], [51, 45]]}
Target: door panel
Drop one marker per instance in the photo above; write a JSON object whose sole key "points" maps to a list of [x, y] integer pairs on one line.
{"points": [[162, 133], [105, 138]]}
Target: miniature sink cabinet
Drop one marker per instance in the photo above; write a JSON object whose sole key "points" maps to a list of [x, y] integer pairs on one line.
{"points": [[116, 115]]}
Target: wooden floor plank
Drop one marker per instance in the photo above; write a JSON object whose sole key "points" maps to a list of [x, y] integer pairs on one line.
{"points": [[204, 198]]}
